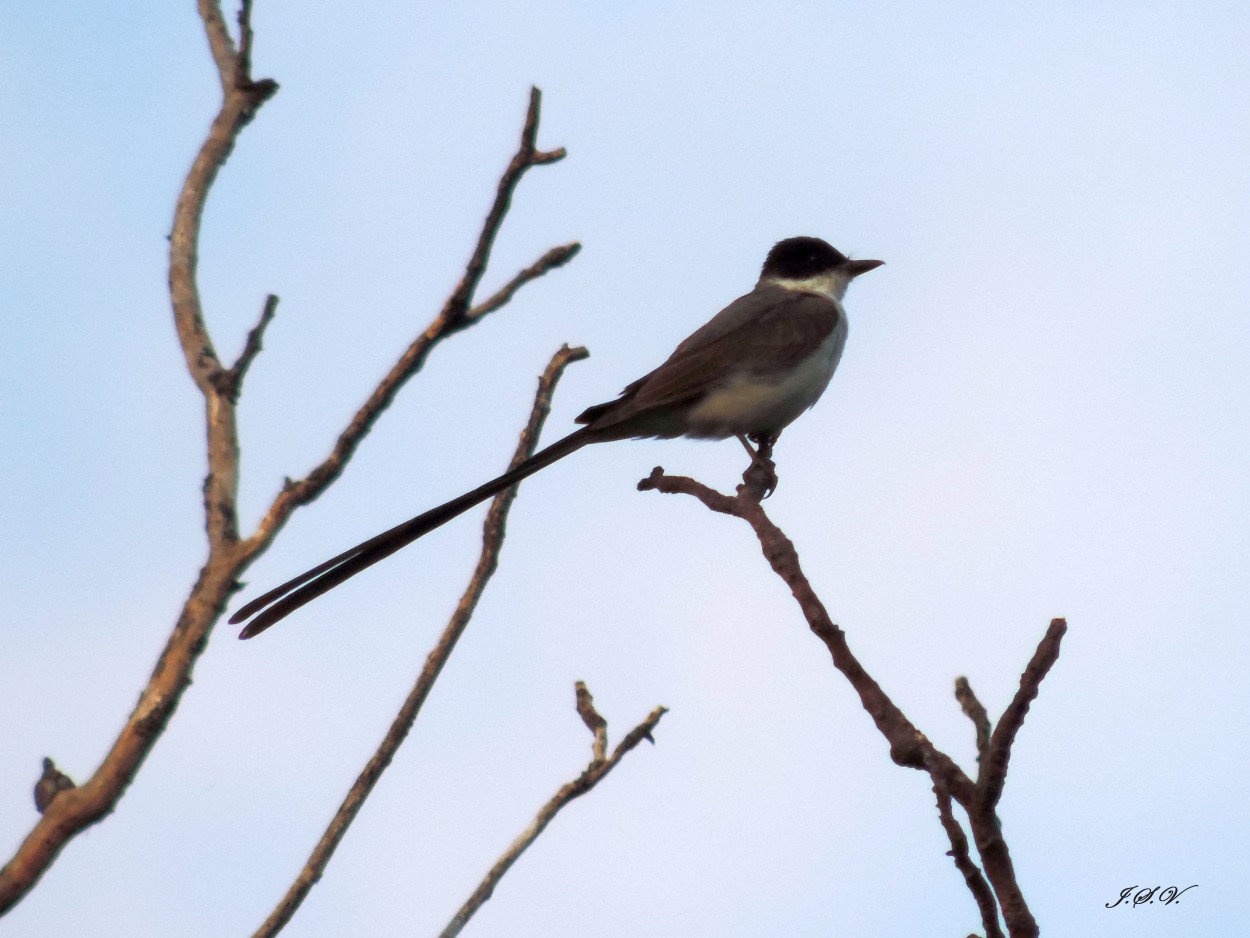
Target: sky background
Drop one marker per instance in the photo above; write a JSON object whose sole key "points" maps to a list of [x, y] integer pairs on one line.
{"points": [[1041, 411]]}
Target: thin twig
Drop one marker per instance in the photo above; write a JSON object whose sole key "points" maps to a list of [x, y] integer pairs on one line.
{"points": [[597, 725], [527, 155], [492, 543], [975, 712], [243, 61], [453, 317], [556, 257], [994, 767], [230, 381], [590, 777], [219, 42], [252, 346]]}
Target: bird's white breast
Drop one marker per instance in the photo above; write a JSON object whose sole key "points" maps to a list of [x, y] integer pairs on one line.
{"points": [[752, 403]]}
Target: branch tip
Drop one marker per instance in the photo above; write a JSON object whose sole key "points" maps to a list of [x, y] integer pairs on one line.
{"points": [[993, 773], [594, 773], [975, 712]]}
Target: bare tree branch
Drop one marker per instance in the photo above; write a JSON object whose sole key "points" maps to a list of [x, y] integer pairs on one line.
{"points": [[982, 814], [556, 257], [454, 316], [994, 768], [77, 808], [492, 543], [908, 746], [975, 882], [252, 346], [975, 712], [219, 42], [594, 722], [594, 773], [74, 809], [527, 155]]}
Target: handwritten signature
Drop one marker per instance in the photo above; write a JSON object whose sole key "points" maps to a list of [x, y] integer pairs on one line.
{"points": [[1133, 896]]}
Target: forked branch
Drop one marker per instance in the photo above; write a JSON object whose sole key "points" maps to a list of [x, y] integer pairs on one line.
{"points": [[75, 809], [69, 810], [456, 314], [600, 765], [908, 746]]}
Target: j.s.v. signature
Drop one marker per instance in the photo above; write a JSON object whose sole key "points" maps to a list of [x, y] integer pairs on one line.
{"points": [[1133, 896]]}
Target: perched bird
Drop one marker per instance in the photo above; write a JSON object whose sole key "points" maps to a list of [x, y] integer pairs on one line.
{"points": [[759, 363]]}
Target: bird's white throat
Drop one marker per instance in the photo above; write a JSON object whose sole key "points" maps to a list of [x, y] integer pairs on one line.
{"points": [[832, 284]]}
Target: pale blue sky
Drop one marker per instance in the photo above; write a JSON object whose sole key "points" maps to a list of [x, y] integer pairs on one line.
{"points": [[1041, 411]]}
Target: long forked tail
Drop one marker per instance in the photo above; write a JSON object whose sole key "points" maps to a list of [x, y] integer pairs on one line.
{"points": [[280, 602]]}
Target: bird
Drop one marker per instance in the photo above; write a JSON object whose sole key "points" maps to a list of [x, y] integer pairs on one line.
{"points": [[747, 373]]}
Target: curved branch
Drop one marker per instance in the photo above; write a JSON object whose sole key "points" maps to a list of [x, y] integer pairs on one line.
{"points": [[75, 809], [908, 746], [492, 543]]}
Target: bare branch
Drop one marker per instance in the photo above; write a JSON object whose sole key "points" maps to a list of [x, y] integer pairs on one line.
{"points": [[252, 347], [219, 42], [597, 725], [74, 809], [242, 98], [229, 382], [527, 155], [556, 257], [986, 829], [994, 768], [684, 485], [492, 543], [975, 882], [975, 712], [590, 777], [908, 746], [243, 61], [453, 317]]}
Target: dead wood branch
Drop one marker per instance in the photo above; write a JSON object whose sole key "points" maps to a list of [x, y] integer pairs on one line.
{"points": [[908, 746], [74, 809], [591, 776]]}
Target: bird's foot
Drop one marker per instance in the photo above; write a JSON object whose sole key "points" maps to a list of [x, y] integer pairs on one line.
{"points": [[760, 478]]}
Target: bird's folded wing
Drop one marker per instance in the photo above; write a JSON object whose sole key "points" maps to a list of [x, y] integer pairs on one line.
{"points": [[767, 331]]}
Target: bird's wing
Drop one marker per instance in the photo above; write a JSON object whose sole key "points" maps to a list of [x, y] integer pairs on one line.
{"points": [[765, 331]]}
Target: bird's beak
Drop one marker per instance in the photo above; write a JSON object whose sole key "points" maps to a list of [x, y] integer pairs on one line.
{"points": [[855, 268]]}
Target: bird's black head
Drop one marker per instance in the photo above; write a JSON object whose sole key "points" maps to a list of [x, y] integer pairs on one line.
{"points": [[805, 259], [801, 259]]}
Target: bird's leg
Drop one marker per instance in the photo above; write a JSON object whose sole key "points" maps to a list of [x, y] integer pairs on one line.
{"points": [[761, 475]]}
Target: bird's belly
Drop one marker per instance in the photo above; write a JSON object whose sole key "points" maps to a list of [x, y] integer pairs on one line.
{"points": [[752, 404]]}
